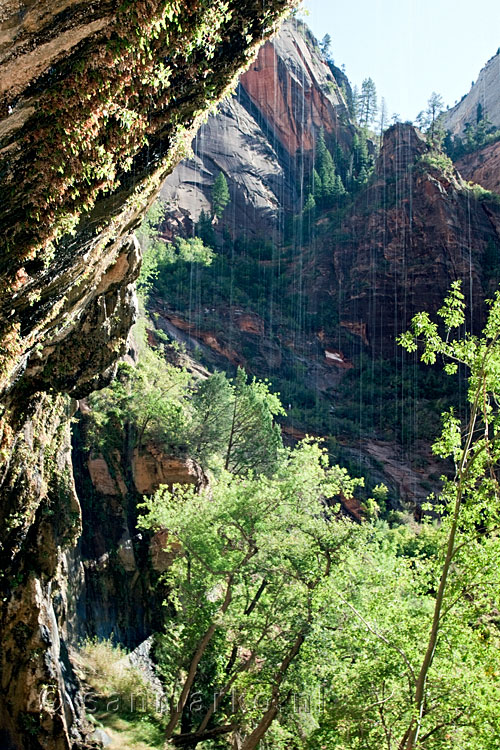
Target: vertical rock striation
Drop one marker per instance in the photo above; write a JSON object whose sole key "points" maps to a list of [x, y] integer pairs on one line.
{"points": [[484, 93], [417, 228], [263, 137]]}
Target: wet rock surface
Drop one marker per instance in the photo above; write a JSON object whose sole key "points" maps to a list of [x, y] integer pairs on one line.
{"points": [[407, 238], [81, 157]]}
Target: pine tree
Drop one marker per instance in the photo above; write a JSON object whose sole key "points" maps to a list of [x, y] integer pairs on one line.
{"points": [[339, 187], [220, 195], [316, 187], [325, 46], [325, 169], [310, 203], [205, 230], [361, 160], [383, 118], [435, 106], [355, 104], [368, 103]]}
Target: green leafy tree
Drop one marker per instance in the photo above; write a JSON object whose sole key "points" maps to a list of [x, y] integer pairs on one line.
{"points": [[159, 255], [220, 195], [192, 250], [151, 222], [470, 499], [251, 560], [414, 657], [233, 424], [370, 662], [146, 402], [212, 411], [151, 247]]}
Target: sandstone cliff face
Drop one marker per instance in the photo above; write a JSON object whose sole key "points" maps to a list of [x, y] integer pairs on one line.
{"points": [[416, 229], [255, 175], [118, 593], [482, 167], [486, 92], [295, 92], [97, 103], [262, 137]]}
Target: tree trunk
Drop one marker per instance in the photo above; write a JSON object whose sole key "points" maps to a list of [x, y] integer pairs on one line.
{"points": [[410, 737], [231, 434], [267, 719], [188, 740], [193, 667]]}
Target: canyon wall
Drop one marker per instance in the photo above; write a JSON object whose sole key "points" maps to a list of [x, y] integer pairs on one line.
{"points": [[482, 166], [263, 138], [484, 93], [328, 301]]}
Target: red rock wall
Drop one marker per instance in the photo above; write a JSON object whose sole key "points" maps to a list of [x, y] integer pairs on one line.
{"points": [[412, 233], [294, 106], [482, 167]]}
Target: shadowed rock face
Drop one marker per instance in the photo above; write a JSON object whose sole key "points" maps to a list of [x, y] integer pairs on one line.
{"points": [[117, 592], [262, 137], [254, 172], [97, 104], [482, 167]]}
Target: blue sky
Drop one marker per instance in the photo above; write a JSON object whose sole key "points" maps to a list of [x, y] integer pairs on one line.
{"points": [[410, 47]]}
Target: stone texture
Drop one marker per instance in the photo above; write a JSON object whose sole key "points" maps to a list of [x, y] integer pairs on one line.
{"points": [[295, 91], [162, 553], [37, 679], [118, 593], [407, 238], [482, 167], [67, 270], [485, 91], [248, 160], [151, 467], [101, 477], [259, 137]]}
